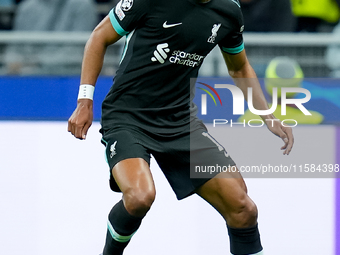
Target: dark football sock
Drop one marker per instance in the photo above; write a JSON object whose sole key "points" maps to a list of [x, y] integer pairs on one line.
{"points": [[244, 241], [121, 227]]}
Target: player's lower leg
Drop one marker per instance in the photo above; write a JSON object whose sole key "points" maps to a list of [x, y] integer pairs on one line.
{"points": [[227, 193], [245, 241], [243, 230], [136, 183], [121, 227]]}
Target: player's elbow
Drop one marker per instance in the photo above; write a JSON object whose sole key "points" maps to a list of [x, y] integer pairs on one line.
{"points": [[235, 73], [96, 37], [243, 71], [238, 73], [96, 43]]}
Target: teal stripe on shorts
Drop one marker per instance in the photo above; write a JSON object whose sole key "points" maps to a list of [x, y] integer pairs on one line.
{"points": [[107, 161]]}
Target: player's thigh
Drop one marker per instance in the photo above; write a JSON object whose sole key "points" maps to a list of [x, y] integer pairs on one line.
{"points": [[129, 163], [133, 174]]}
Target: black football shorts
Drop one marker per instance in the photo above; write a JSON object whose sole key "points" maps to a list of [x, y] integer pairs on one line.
{"points": [[187, 160]]}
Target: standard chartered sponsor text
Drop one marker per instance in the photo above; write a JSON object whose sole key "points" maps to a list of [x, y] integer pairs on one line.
{"points": [[185, 58]]}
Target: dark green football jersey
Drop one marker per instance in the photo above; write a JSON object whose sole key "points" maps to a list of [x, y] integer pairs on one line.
{"points": [[166, 43]]}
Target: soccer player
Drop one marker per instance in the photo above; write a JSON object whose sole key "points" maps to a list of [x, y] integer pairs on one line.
{"points": [[149, 110]]}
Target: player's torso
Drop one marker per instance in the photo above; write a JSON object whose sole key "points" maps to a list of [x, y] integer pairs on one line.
{"points": [[162, 52], [182, 32]]}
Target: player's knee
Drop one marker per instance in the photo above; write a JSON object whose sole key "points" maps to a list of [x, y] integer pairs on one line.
{"points": [[251, 217], [138, 201], [245, 215]]}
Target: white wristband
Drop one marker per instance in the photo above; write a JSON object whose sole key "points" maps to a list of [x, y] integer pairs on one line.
{"points": [[86, 91]]}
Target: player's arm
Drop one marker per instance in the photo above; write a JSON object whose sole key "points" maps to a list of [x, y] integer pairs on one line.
{"points": [[244, 77], [101, 37]]}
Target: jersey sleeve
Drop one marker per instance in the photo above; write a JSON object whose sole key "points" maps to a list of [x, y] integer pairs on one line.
{"points": [[127, 14], [233, 42]]}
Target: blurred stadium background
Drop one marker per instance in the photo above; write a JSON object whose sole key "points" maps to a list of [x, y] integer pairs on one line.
{"points": [[309, 49], [53, 193]]}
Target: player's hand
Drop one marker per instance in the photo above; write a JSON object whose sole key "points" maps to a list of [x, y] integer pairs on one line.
{"points": [[81, 119], [285, 133]]}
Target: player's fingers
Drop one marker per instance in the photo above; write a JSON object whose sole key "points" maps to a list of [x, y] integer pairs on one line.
{"points": [[78, 129], [284, 138], [286, 141], [290, 138], [85, 129], [70, 127]]}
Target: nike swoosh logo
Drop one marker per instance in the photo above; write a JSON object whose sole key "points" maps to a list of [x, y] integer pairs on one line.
{"points": [[165, 25]]}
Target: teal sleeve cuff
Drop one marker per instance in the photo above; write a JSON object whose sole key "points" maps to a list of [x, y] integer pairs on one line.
{"points": [[234, 50], [116, 25]]}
